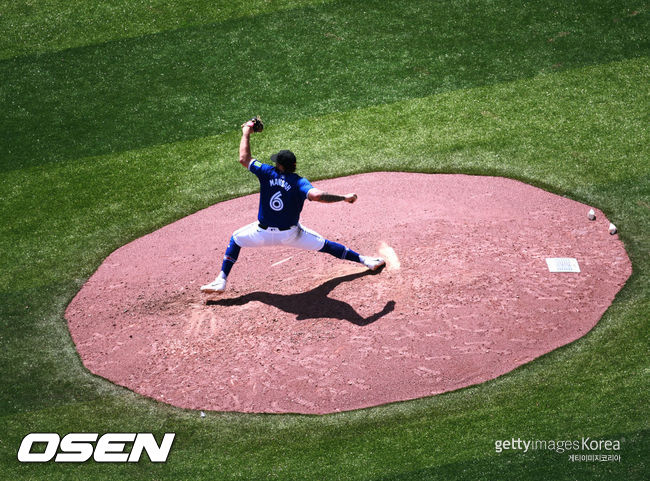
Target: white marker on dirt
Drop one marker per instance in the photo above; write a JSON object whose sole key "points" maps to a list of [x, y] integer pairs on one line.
{"points": [[282, 261]]}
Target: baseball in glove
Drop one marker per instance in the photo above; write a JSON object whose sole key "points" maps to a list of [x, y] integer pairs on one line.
{"points": [[258, 126]]}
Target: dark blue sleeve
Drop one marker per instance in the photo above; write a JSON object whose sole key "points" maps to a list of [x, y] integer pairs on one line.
{"points": [[258, 168], [304, 186]]}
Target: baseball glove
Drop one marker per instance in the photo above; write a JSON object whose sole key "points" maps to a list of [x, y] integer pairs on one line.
{"points": [[258, 126]]}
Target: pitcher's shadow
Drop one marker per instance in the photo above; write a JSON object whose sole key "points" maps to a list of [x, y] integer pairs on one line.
{"points": [[313, 304]]}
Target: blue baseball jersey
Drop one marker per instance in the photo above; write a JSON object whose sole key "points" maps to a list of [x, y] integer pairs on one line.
{"points": [[282, 195]]}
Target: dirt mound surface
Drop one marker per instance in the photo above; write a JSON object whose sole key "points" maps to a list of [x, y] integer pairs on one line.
{"points": [[466, 296]]}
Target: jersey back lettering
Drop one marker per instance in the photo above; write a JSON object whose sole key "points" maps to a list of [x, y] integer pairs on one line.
{"points": [[282, 196]]}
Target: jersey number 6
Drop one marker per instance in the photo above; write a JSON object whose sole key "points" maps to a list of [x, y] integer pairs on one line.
{"points": [[276, 202]]}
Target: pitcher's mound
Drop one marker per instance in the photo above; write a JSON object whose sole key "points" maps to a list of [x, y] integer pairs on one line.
{"points": [[465, 297]]}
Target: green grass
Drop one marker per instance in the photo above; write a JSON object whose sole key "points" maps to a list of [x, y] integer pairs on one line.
{"points": [[136, 126], [52, 25], [289, 64]]}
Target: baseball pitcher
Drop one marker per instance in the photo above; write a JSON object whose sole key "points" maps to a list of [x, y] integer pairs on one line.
{"points": [[282, 196]]}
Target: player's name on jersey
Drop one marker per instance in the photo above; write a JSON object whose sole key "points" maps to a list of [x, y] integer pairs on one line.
{"points": [[280, 183]]}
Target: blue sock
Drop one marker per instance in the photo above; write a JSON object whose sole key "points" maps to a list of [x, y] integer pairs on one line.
{"points": [[340, 251], [229, 259]]}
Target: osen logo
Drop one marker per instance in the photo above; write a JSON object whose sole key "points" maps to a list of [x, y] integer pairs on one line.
{"points": [[80, 447]]}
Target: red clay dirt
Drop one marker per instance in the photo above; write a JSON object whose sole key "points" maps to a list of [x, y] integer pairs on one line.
{"points": [[466, 297]]}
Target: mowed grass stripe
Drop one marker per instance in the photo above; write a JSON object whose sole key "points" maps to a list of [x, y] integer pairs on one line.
{"points": [[430, 439], [579, 131], [40, 27], [289, 65], [526, 129]]}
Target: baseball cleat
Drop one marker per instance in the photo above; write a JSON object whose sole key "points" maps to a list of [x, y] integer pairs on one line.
{"points": [[218, 285], [373, 263]]}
